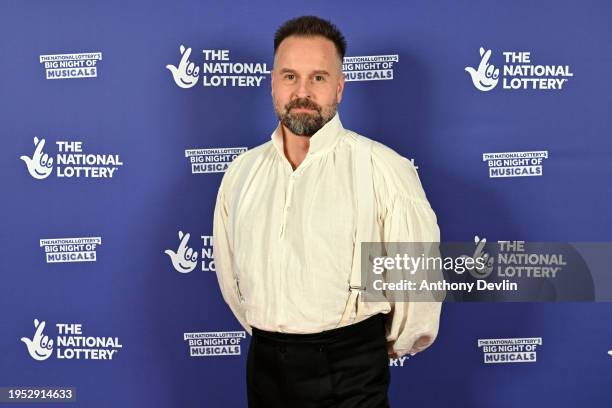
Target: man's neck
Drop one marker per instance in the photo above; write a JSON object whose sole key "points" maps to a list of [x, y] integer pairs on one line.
{"points": [[295, 146]]}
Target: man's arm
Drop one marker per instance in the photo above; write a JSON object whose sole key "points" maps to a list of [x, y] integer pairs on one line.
{"points": [[412, 324], [407, 216], [223, 255]]}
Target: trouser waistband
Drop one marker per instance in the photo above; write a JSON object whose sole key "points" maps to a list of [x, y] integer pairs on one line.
{"points": [[371, 324]]}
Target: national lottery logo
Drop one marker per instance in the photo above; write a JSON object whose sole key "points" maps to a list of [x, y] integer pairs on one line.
{"points": [[40, 346], [69, 344], [486, 269], [369, 67], [66, 66], [40, 165], [212, 160], [186, 73], [510, 350], [70, 249], [517, 73], [515, 164], [70, 161], [486, 76], [185, 258], [516, 259], [210, 344], [217, 70]]}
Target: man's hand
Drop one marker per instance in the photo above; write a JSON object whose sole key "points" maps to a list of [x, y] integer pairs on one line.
{"points": [[419, 345], [390, 352], [186, 74], [40, 165]]}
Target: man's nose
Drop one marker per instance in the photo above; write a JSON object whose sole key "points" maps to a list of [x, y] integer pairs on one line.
{"points": [[302, 89]]}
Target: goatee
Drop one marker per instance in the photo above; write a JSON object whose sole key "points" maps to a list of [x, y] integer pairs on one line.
{"points": [[304, 123]]}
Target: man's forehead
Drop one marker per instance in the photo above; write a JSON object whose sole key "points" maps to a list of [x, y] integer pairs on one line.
{"points": [[301, 52]]}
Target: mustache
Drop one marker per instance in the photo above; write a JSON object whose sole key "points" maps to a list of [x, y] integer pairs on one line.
{"points": [[302, 103]]}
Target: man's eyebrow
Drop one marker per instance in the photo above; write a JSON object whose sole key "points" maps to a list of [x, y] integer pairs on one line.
{"points": [[285, 70], [317, 72], [321, 72]]}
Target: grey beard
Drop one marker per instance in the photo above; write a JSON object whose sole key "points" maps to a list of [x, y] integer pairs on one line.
{"points": [[305, 124]]}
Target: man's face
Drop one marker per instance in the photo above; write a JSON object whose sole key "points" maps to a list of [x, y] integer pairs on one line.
{"points": [[307, 83]]}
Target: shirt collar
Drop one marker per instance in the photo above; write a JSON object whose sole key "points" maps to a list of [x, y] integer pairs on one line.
{"points": [[321, 142]]}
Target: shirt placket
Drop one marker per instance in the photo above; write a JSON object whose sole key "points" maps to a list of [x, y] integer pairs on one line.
{"points": [[287, 205], [289, 193]]}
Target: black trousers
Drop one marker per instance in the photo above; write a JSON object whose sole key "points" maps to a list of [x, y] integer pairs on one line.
{"points": [[347, 367]]}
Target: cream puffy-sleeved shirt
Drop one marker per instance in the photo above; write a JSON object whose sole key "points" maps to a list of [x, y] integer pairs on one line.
{"points": [[283, 239]]}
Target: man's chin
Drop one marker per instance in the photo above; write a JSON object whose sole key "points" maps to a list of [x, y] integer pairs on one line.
{"points": [[301, 130], [303, 123]]}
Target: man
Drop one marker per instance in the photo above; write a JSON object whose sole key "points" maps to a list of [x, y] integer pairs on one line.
{"points": [[285, 226]]}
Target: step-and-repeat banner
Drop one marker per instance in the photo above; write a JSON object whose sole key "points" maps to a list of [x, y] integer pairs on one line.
{"points": [[118, 120]]}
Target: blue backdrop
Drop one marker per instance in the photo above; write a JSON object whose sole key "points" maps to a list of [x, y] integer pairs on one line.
{"points": [[85, 237]]}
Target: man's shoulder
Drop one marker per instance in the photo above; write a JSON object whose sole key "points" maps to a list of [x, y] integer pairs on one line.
{"points": [[392, 173], [243, 163], [384, 158]]}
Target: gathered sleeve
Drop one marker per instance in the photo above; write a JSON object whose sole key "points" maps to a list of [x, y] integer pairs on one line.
{"points": [[407, 217], [223, 256]]}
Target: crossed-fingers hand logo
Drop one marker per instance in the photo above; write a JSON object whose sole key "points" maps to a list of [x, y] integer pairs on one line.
{"points": [[40, 165], [186, 74], [40, 346], [482, 262], [184, 259], [486, 76]]}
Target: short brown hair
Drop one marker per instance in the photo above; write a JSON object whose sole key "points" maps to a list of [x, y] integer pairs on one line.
{"points": [[309, 26]]}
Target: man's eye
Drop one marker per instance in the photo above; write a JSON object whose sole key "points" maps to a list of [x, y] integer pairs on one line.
{"points": [[319, 78], [289, 76]]}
